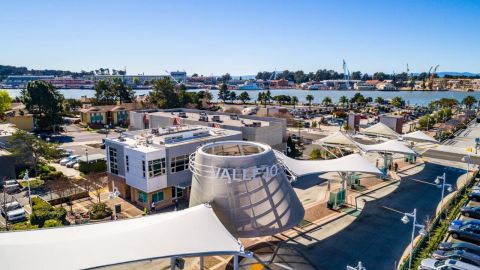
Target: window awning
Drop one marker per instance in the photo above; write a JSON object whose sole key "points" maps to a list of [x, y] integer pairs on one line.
{"points": [[350, 163], [191, 232], [392, 146]]}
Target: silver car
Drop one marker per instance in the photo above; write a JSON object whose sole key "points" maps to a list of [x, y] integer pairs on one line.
{"points": [[432, 264]]}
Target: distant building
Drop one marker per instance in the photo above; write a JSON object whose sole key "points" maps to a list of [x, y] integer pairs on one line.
{"points": [[107, 114], [269, 130], [19, 116], [386, 86], [130, 79], [179, 76], [152, 165], [394, 122], [22, 80], [69, 82]]}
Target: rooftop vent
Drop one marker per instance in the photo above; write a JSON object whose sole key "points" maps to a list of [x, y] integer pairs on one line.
{"points": [[203, 118], [216, 118]]}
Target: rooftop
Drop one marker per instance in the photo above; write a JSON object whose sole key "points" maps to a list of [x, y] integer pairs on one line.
{"points": [[230, 120]]}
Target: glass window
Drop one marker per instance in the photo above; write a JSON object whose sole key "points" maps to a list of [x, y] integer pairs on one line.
{"points": [[143, 168], [112, 153], [157, 196], [177, 192], [127, 164], [142, 197], [156, 167], [178, 164]]}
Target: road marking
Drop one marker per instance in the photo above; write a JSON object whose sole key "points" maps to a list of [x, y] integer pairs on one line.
{"points": [[420, 181], [393, 210]]}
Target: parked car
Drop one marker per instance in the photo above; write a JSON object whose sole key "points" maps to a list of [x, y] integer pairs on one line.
{"points": [[460, 223], [470, 211], [119, 130], [472, 248], [11, 186], [72, 162], [458, 255], [64, 161], [432, 264], [102, 145], [13, 211], [470, 233], [474, 196], [103, 131]]}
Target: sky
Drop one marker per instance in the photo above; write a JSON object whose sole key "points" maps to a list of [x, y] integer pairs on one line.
{"points": [[241, 37]]}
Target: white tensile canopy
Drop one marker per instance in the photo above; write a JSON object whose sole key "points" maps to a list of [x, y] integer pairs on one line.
{"points": [[194, 231], [392, 146], [350, 163], [419, 136], [337, 139], [380, 129]]}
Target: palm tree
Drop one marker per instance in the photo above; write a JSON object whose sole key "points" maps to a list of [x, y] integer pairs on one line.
{"points": [[294, 101], [343, 100], [469, 101], [379, 100], [309, 99], [327, 101]]}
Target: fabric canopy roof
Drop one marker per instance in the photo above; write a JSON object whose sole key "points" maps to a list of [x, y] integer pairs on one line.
{"points": [[418, 136], [380, 129], [192, 231], [337, 138], [350, 163], [392, 146]]}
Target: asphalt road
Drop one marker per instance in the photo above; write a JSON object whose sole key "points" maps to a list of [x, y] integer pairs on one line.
{"points": [[449, 156], [377, 237]]}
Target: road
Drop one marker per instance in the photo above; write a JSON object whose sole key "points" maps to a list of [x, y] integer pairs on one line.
{"points": [[377, 237]]}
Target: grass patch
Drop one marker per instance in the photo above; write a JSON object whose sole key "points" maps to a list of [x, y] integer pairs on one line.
{"points": [[36, 183]]}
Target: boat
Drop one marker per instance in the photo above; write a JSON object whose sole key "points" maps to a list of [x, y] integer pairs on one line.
{"points": [[249, 86]]}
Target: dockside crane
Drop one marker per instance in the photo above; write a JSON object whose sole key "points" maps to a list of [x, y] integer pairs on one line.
{"points": [[431, 77], [346, 75]]}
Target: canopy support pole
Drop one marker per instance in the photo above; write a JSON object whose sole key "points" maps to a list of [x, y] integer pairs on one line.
{"points": [[201, 263], [235, 262], [172, 263]]}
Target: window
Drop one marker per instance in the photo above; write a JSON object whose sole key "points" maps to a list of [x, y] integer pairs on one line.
{"points": [[127, 164], [142, 197], [112, 152], [177, 192], [157, 196], [178, 164], [156, 167], [143, 168]]}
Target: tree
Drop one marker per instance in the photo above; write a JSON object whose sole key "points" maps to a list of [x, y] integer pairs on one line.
{"points": [[5, 102], [343, 100], [96, 182], [124, 93], [294, 101], [136, 81], [244, 97], [314, 124], [379, 100], [469, 101], [356, 75], [397, 102], [292, 150], [326, 101], [358, 99], [104, 94], [45, 103], [369, 99], [309, 98], [72, 105], [226, 78], [27, 147], [232, 96], [224, 93], [163, 94]]}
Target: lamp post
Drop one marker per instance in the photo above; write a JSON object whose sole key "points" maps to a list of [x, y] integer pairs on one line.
{"points": [[25, 177], [358, 267], [422, 231], [442, 185], [86, 154]]}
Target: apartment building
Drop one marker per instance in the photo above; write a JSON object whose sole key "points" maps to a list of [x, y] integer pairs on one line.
{"points": [[152, 164], [269, 130]]}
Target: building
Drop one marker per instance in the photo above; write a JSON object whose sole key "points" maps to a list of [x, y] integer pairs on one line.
{"points": [[69, 82], [354, 121], [113, 115], [22, 80], [269, 130], [179, 76], [130, 80], [386, 86], [152, 164], [19, 116], [394, 122]]}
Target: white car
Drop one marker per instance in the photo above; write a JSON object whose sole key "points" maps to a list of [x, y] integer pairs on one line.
{"points": [[72, 162], [432, 264], [66, 160], [13, 211]]}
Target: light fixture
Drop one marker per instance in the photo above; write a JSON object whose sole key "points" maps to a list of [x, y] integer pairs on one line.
{"points": [[405, 219], [423, 232], [437, 181], [450, 189]]}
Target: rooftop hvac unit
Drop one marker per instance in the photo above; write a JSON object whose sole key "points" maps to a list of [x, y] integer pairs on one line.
{"points": [[234, 117], [216, 118], [203, 118]]}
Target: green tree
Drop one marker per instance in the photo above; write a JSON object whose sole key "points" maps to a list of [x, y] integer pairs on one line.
{"points": [[226, 78], [358, 99], [5, 102], [397, 102], [45, 103], [314, 124], [27, 147], [343, 100], [244, 97], [163, 94], [123, 93], [309, 98], [379, 100], [104, 94], [469, 101], [136, 81], [292, 150], [72, 105], [223, 93], [232, 96], [315, 154], [326, 101], [294, 101]]}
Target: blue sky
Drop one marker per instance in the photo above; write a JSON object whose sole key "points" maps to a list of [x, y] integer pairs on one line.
{"points": [[241, 37]]}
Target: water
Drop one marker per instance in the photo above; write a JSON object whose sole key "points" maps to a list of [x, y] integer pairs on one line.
{"points": [[412, 97]]}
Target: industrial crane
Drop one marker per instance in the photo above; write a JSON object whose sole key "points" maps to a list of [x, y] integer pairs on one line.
{"points": [[346, 75], [431, 77]]}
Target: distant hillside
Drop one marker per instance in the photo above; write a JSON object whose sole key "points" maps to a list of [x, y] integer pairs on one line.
{"points": [[457, 74], [12, 70]]}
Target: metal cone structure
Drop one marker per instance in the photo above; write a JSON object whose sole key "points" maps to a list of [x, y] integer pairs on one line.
{"points": [[246, 186]]}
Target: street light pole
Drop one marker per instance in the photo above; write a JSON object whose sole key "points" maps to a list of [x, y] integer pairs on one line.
{"points": [[25, 177], [442, 186], [358, 267], [86, 153], [405, 220]]}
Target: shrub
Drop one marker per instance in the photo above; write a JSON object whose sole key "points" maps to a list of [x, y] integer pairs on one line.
{"points": [[52, 223], [21, 226], [100, 211], [43, 211], [93, 167], [55, 175]]}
